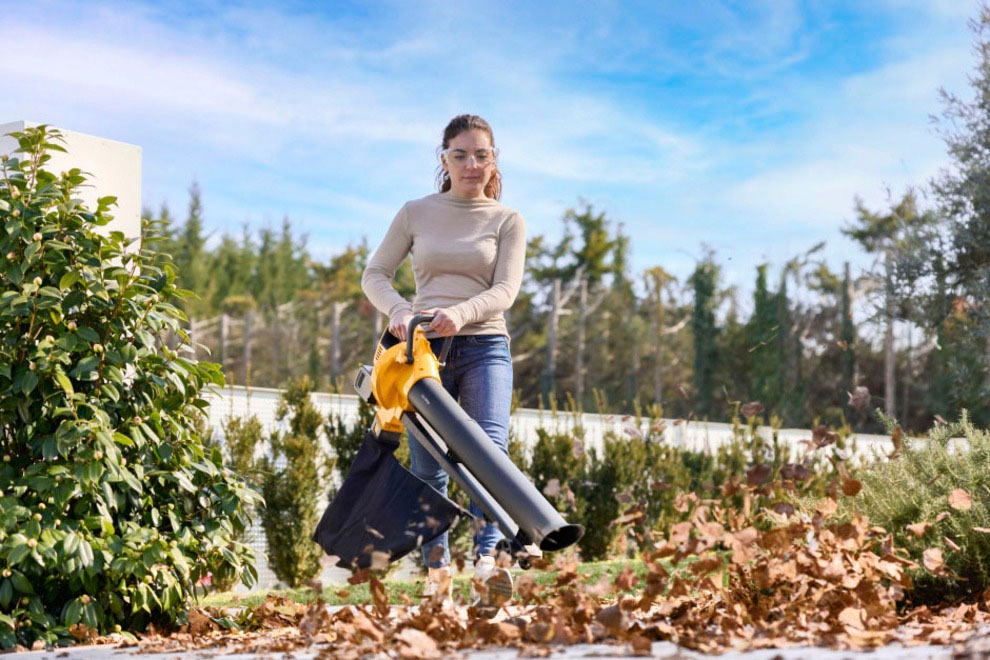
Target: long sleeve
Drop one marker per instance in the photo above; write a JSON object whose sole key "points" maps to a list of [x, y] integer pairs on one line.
{"points": [[509, 264], [377, 278]]}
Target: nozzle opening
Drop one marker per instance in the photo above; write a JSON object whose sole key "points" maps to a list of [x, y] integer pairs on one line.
{"points": [[561, 538]]}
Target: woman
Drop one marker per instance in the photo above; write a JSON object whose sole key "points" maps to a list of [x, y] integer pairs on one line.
{"points": [[468, 253]]}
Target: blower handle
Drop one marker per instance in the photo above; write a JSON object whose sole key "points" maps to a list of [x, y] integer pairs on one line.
{"points": [[414, 322]]}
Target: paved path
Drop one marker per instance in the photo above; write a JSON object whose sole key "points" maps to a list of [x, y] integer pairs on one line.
{"points": [[661, 650]]}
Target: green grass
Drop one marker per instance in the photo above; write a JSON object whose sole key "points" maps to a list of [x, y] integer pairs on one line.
{"points": [[588, 573]]}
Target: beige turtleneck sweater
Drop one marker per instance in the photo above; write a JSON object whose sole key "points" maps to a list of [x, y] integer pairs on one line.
{"points": [[467, 255]]}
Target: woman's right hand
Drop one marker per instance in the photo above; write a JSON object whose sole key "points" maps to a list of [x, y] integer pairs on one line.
{"points": [[398, 325]]}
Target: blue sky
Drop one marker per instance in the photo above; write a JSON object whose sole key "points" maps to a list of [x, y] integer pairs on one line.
{"points": [[749, 127]]}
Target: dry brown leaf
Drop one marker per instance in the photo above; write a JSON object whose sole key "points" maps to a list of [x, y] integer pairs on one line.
{"points": [[758, 474], [746, 536], [600, 589], [627, 518], [960, 500], [359, 577], [933, 560], [379, 560], [822, 437], [199, 621], [859, 398], [950, 544], [919, 529], [897, 437], [851, 487], [794, 471], [566, 572], [853, 617], [379, 596], [612, 617], [642, 646], [81, 632], [827, 507], [682, 502], [680, 532], [552, 489], [706, 565], [941, 516], [364, 626], [415, 644], [626, 580], [783, 508], [835, 570], [526, 588], [751, 408]]}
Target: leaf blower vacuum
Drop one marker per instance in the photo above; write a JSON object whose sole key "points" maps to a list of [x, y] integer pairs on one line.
{"points": [[382, 511]]}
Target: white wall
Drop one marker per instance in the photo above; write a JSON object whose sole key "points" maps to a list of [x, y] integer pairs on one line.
{"points": [[112, 168], [240, 402]]}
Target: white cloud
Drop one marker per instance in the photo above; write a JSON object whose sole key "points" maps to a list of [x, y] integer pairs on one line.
{"points": [[333, 118]]}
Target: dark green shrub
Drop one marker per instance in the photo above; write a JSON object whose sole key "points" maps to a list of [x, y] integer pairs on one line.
{"points": [[638, 472], [558, 467], [752, 473], [295, 476], [345, 441], [241, 438], [595, 488], [111, 509]]}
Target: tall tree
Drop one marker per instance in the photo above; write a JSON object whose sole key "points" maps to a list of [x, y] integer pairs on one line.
{"points": [[884, 234], [705, 283], [191, 256], [234, 263], [658, 281], [963, 192], [763, 333], [588, 252], [847, 343]]}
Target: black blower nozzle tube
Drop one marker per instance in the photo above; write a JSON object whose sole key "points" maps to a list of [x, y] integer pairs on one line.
{"points": [[535, 516]]}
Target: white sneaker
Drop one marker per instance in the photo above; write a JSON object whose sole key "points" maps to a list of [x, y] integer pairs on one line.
{"points": [[491, 587], [439, 587]]}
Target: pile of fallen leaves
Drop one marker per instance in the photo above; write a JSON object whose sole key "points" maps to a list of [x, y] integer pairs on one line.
{"points": [[713, 583]]}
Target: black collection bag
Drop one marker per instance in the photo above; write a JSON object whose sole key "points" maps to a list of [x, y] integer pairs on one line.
{"points": [[382, 507]]}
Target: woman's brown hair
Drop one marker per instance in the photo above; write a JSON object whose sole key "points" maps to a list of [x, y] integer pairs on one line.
{"points": [[458, 125]]}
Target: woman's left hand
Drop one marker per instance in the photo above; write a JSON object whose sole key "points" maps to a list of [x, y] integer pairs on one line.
{"points": [[444, 323]]}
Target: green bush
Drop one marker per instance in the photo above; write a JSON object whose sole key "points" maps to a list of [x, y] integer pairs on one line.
{"points": [[111, 509], [240, 437], [295, 476], [752, 473], [345, 441], [637, 473], [915, 495]]}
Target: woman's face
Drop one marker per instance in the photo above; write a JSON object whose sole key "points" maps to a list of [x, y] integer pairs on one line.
{"points": [[469, 161]]}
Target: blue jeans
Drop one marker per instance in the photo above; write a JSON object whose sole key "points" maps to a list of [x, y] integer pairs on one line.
{"points": [[478, 374]]}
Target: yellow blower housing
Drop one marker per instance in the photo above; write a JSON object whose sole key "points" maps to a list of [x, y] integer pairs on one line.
{"points": [[393, 375]]}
